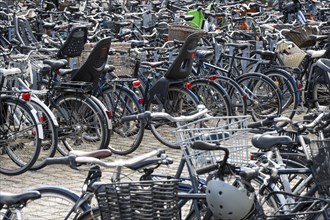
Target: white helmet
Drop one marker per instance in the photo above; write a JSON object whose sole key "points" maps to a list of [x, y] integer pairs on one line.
{"points": [[228, 202]]}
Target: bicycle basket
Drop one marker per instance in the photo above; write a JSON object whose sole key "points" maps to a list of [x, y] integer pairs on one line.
{"points": [[301, 36], [180, 32], [123, 63], [320, 152], [138, 200], [289, 54], [230, 132]]}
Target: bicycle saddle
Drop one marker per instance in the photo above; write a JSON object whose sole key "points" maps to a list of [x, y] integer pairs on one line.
{"points": [[268, 141], [316, 53], [204, 54], [11, 199], [56, 64]]}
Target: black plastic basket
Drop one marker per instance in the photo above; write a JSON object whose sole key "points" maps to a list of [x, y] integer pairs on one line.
{"points": [[138, 200], [320, 151]]}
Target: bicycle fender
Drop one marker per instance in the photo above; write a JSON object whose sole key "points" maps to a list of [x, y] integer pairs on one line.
{"points": [[49, 112]]}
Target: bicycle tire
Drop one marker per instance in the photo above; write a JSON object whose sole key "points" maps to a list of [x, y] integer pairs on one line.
{"points": [[55, 203], [321, 94], [213, 96], [50, 125], [21, 136], [82, 126], [126, 136], [236, 94], [180, 101], [288, 90], [262, 94]]}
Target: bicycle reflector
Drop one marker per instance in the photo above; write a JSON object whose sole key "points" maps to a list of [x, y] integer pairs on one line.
{"points": [[136, 83], [212, 78], [26, 96], [141, 101], [188, 85], [109, 114]]}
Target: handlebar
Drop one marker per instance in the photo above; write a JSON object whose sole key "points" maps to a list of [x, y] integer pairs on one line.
{"points": [[272, 120], [74, 160], [147, 116], [119, 163]]}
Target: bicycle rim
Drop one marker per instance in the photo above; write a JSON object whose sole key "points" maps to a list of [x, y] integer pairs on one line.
{"points": [[20, 142], [179, 102], [262, 94], [213, 96], [125, 136], [81, 125], [287, 88]]}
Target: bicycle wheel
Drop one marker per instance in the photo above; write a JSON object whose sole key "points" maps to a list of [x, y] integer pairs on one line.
{"points": [[236, 95], [93, 214], [82, 126], [263, 96], [288, 91], [179, 102], [49, 125], [126, 137], [55, 203], [213, 96], [321, 94], [20, 136]]}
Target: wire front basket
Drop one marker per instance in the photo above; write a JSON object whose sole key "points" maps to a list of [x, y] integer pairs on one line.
{"points": [[320, 152], [123, 62], [230, 132], [138, 200]]}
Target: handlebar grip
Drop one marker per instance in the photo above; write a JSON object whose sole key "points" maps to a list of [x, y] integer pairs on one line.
{"points": [[258, 124], [67, 160], [207, 169], [25, 47], [310, 117], [201, 145], [141, 117]]}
